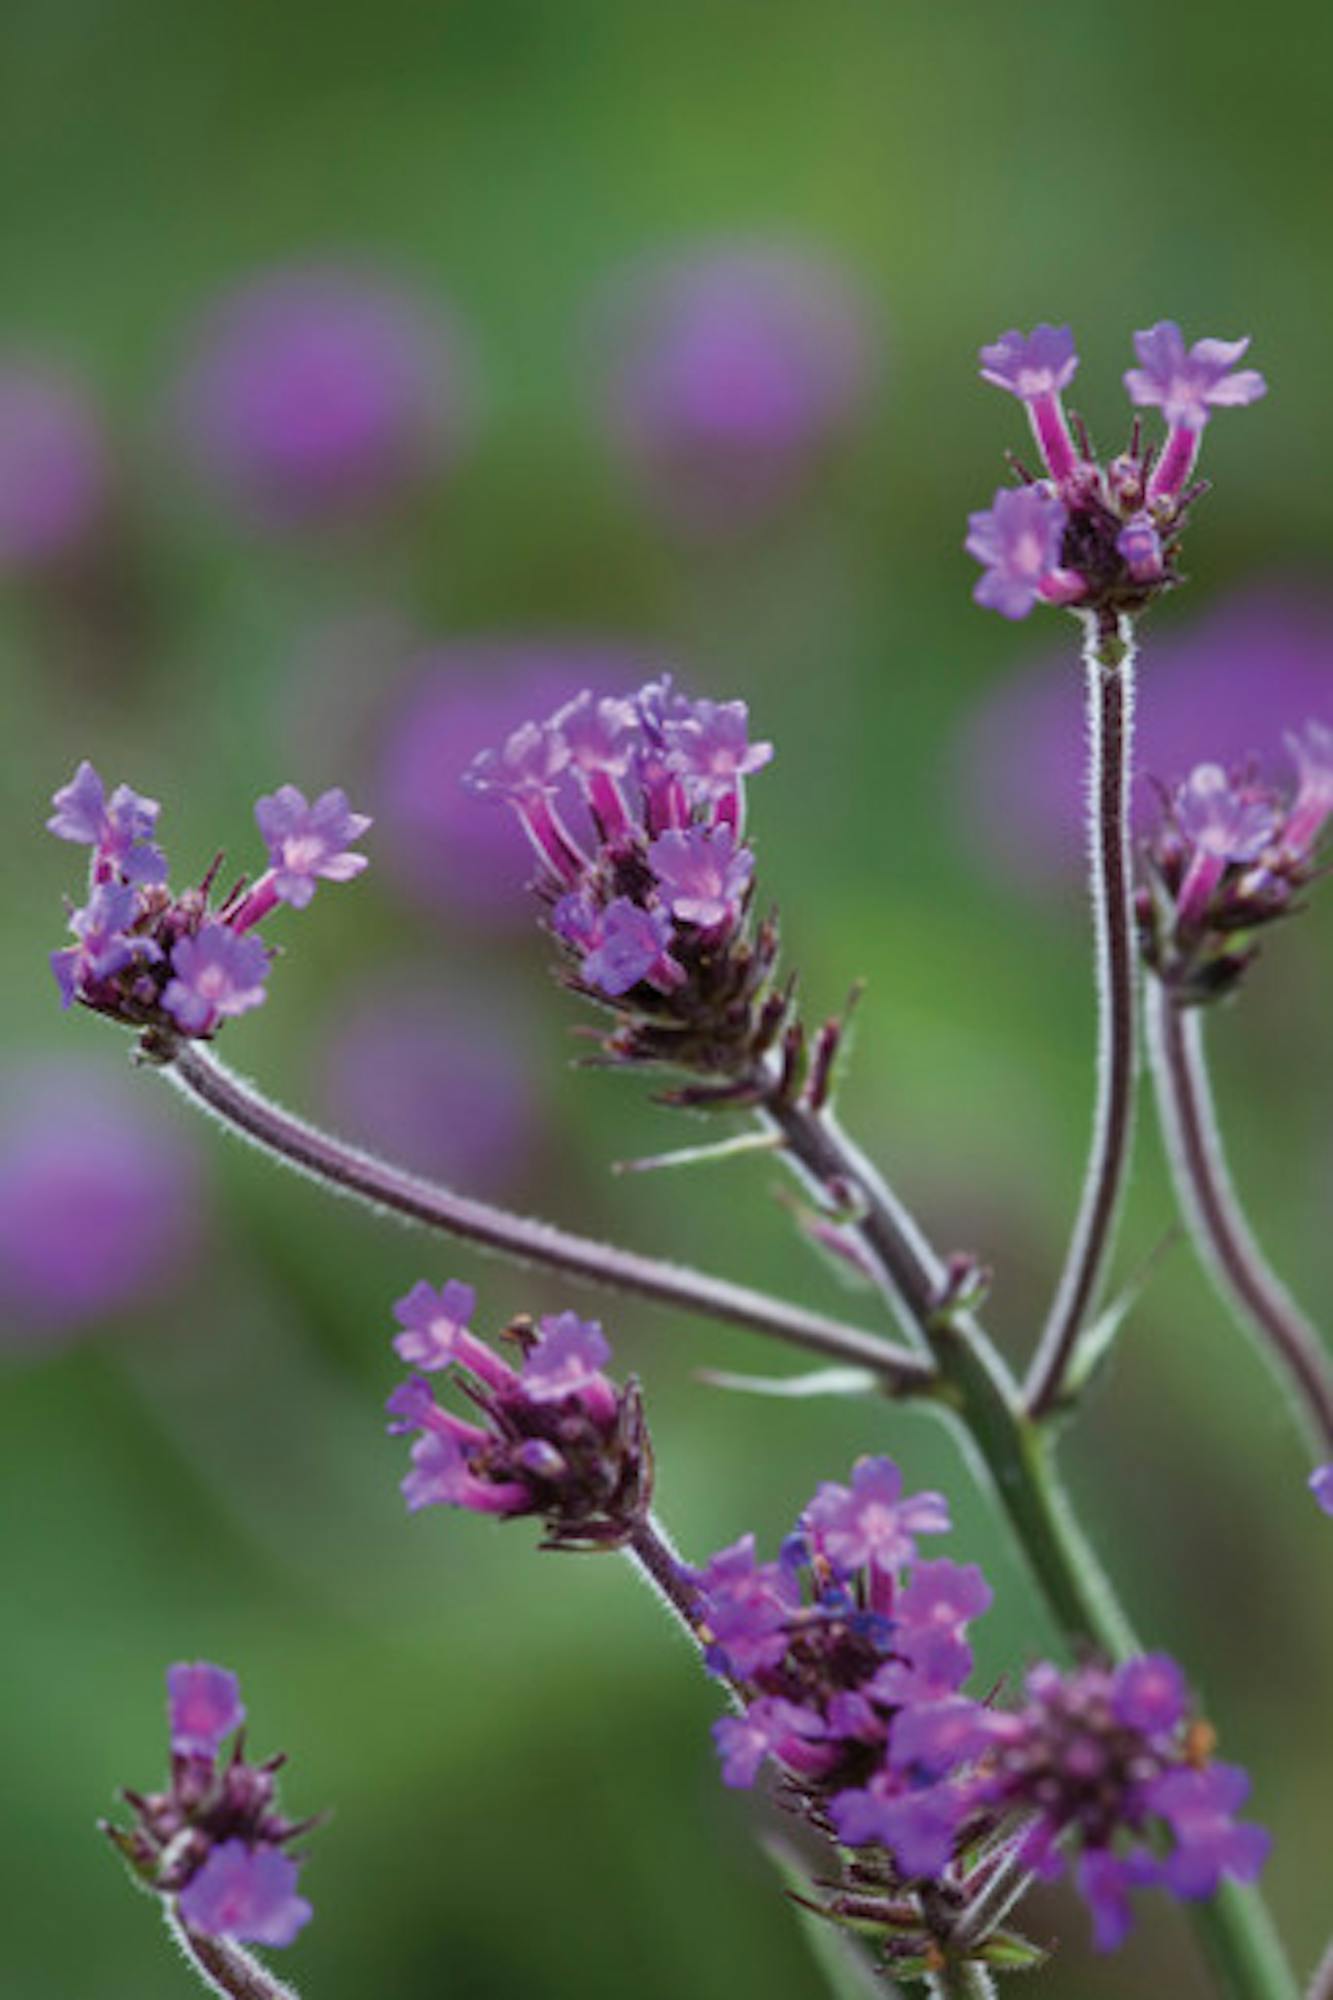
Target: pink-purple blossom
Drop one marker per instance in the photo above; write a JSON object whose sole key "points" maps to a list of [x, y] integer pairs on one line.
{"points": [[869, 1522], [309, 843], [1018, 542], [702, 873], [768, 1727], [118, 829], [1200, 1806], [1031, 364], [216, 974], [1187, 384], [633, 945], [247, 1893], [204, 1705], [568, 1359]]}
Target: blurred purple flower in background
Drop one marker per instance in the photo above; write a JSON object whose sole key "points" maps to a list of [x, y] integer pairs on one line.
{"points": [[444, 1082], [100, 1198], [730, 372], [55, 472], [459, 699], [319, 391], [1219, 691]]}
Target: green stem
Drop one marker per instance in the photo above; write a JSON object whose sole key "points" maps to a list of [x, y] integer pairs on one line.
{"points": [[962, 1982], [1015, 1450]]}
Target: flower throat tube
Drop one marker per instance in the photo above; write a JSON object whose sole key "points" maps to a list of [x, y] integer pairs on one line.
{"points": [[843, 1660]]}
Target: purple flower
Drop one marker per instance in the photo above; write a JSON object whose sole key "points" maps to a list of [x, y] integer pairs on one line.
{"points": [[118, 829], [100, 1199], [217, 975], [747, 1606], [54, 471], [568, 1360], [1312, 752], [1018, 543], [1199, 1807], [703, 874], [730, 374], [709, 743], [435, 1325], [1187, 384], [1040, 363], [1321, 1485], [944, 1596], [767, 1728], [933, 1738], [204, 1705], [634, 946], [1150, 1694], [309, 843], [870, 1522], [105, 946], [248, 1893], [1226, 821], [321, 392], [919, 1828], [1035, 367], [1105, 1880], [442, 1476]]}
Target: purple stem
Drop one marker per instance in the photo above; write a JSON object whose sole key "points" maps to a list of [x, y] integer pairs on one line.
{"points": [[224, 1967], [1222, 1235], [1108, 659], [202, 1077]]}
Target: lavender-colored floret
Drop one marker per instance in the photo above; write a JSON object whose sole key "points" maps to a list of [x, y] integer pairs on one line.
{"points": [[568, 1359], [1150, 1693], [703, 874], [1227, 821], [309, 843], [1321, 1485], [119, 829], [710, 743], [870, 1522], [1040, 363], [217, 975], [1199, 1807], [1188, 383], [204, 1705], [434, 1323], [248, 1893], [1018, 543], [634, 946]]}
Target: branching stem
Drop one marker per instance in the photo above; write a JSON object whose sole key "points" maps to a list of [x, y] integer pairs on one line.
{"points": [[244, 1109], [1222, 1236], [1108, 660]]}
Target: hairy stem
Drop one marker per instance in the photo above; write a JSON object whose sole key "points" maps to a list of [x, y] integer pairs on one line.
{"points": [[1015, 1452], [1222, 1236], [654, 1552], [1108, 660], [961, 1982], [241, 1107], [1321, 1986], [224, 1967]]}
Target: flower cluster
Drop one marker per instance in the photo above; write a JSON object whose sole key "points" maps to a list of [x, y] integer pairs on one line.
{"points": [[215, 1842], [1231, 855], [175, 964], [849, 1655], [555, 1437], [1100, 538], [650, 900]]}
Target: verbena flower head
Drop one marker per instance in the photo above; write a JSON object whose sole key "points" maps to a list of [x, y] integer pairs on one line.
{"points": [[319, 392], [1230, 856], [549, 1433], [731, 374], [215, 1844], [1100, 538], [849, 1658], [647, 880], [101, 1201], [55, 475], [172, 965]]}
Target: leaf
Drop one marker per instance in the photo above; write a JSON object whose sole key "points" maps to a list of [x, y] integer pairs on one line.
{"points": [[1095, 1346], [1009, 1952], [847, 1972], [819, 1382]]}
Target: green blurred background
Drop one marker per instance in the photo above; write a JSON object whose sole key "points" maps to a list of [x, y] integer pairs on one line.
{"points": [[525, 1797]]}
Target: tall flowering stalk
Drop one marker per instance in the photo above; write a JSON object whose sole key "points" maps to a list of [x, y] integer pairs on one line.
{"points": [[845, 1661]]}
